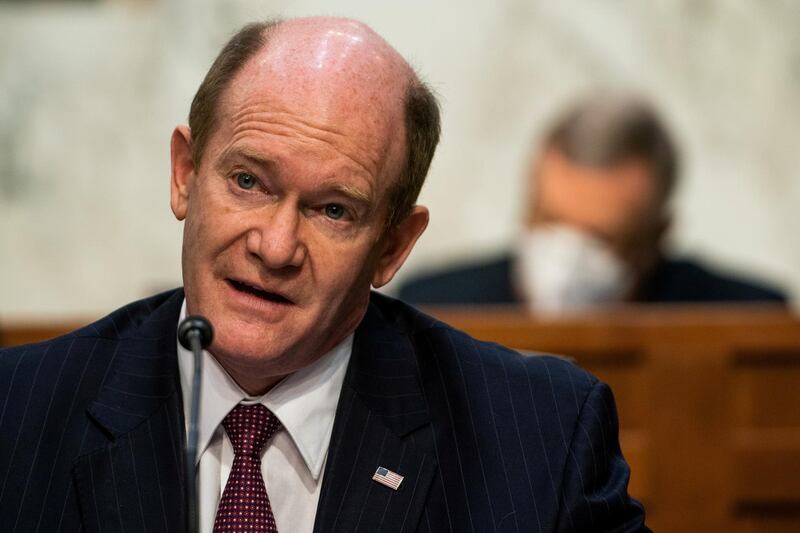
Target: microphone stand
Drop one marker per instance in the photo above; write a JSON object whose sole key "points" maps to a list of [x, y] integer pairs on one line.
{"points": [[194, 333]]}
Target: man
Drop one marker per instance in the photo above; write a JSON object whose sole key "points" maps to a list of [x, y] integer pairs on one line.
{"points": [[325, 407], [596, 216]]}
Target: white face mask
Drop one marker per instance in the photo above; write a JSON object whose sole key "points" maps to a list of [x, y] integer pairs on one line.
{"points": [[562, 269]]}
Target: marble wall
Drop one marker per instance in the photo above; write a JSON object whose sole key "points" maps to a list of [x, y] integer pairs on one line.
{"points": [[89, 94]]}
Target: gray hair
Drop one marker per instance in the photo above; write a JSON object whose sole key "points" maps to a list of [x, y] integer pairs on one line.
{"points": [[604, 129]]}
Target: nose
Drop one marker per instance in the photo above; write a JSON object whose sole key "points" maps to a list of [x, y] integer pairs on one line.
{"points": [[275, 239]]}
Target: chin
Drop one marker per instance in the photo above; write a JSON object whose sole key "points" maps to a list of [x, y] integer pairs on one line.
{"points": [[237, 343], [253, 369]]}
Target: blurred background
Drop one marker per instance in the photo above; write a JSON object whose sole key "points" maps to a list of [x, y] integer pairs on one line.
{"points": [[90, 92]]}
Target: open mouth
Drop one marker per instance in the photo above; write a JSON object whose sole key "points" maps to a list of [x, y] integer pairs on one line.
{"points": [[258, 293]]}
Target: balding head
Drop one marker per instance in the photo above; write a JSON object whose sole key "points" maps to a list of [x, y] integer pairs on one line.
{"points": [[333, 62], [308, 143], [347, 73]]}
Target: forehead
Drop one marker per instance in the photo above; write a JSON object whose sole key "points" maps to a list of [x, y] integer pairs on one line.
{"points": [[627, 171], [342, 83]]}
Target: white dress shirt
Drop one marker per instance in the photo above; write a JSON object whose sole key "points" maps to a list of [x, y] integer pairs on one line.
{"points": [[292, 462]]}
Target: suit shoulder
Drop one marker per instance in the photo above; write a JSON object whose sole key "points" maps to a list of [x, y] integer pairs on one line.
{"points": [[684, 280], [46, 386], [122, 322], [551, 374], [458, 353], [487, 281], [74, 366], [25, 362], [34, 364]]}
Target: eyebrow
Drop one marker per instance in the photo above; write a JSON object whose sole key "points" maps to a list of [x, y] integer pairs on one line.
{"points": [[245, 153], [353, 192]]}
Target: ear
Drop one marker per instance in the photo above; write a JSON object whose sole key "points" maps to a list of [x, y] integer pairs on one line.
{"points": [[182, 170], [663, 228], [398, 243], [544, 163]]}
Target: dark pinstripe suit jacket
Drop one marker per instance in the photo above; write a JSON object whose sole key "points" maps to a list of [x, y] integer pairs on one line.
{"points": [[91, 433]]}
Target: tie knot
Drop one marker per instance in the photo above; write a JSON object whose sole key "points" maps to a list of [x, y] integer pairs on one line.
{"points": [[250, 427]]}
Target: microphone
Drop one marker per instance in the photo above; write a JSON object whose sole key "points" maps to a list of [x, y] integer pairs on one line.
{"points": [[195, 327], [194, 333]]}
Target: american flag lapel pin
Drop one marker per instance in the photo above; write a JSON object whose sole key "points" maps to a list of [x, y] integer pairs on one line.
{"points": [[386, 477]]}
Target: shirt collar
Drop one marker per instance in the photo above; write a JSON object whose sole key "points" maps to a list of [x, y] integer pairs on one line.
{"points": [[305, 401]]}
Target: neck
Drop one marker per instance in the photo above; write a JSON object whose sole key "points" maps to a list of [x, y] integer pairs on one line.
{"points": [[250, 382], [256, 388]]}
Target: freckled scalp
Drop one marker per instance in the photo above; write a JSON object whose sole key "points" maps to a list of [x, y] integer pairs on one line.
{"points": [[353, 86], [203, 112]]}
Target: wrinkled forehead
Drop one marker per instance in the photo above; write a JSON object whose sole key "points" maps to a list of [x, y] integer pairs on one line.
{"points": [[336, 74]]}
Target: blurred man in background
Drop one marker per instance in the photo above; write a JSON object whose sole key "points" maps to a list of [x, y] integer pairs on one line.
{"points": [[595, 221]]}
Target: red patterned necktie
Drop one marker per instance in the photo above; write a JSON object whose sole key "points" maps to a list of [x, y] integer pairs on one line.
{"points": [[244, 505]]}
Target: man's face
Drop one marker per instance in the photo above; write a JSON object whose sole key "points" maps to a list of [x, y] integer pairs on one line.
{"points": [[619, 204], [284, 219]]}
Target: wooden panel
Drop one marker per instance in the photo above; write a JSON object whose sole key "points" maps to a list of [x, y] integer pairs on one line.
{"points": [[692, 386], [629, 385], [767, 391], [708, 398], [767, 521], [767, 466], [690, 470], [634, 448], [765, 414], [16, 333]]}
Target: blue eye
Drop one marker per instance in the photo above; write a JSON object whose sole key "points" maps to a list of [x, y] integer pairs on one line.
{"points": [[334, 211], [245, 180]]}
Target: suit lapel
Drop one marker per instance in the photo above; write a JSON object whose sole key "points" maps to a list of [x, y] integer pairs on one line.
{"points": [[380, 410], [135, 483]]}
